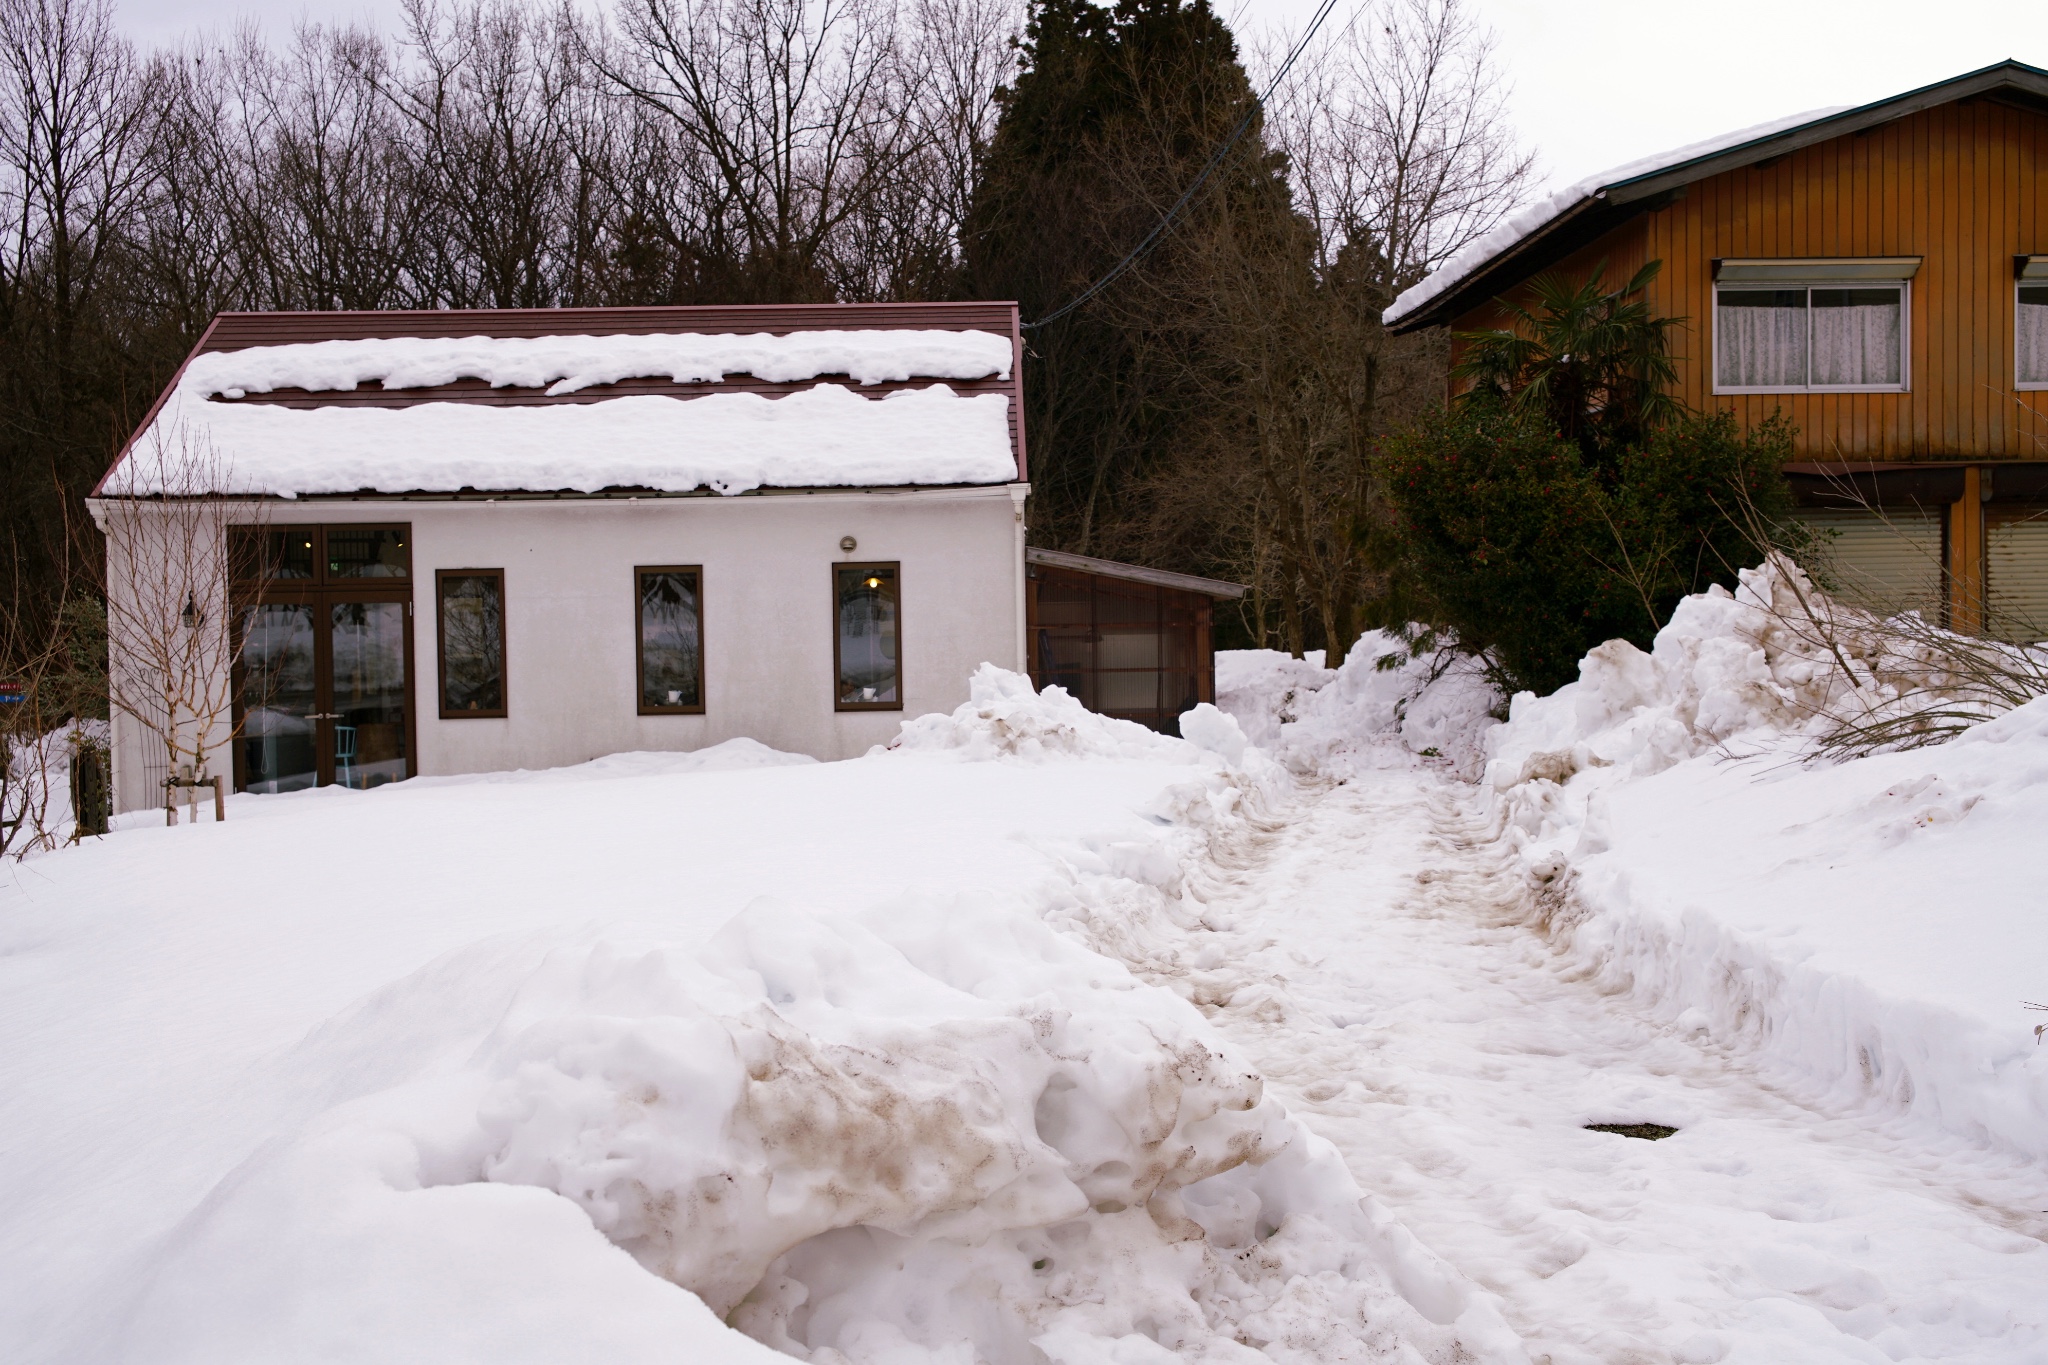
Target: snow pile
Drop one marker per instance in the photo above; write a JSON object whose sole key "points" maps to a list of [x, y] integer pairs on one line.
{"points": [[825, 436], [1869, 926], [564, 364], [1004, 717], [1475, 256], [1385, 704], [1774, 665], [931, 1133]]}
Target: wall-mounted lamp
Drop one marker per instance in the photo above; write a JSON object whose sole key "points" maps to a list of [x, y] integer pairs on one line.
{"points": [[847, 545], [190, 615]]}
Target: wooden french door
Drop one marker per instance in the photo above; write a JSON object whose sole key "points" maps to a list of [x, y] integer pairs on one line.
{"points": [[324, 657]]}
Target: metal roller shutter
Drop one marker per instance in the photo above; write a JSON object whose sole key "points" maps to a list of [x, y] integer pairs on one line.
{"points": [[1891, 561], [2016, 572]]}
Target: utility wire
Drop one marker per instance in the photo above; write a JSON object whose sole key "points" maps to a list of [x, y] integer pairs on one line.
{"points": [[1139, 251]]}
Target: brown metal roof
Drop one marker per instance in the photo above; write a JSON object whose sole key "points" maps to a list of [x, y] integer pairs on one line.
{"points": [[240, 331], [234, 331], [1134, 573]]}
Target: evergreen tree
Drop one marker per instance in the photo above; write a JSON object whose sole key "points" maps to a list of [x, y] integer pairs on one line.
{"points": [[1112, 116]]}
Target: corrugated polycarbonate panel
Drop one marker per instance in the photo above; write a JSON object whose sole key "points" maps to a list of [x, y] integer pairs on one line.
{"points": [[1890, 560], [2016, 573]]}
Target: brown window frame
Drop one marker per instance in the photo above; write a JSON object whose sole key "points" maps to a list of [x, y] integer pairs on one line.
{"points": [[441, 648], [639, 644], [319, 591], [895, 566]]}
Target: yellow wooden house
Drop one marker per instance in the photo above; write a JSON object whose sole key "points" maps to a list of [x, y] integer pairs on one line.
{"points": [[1879, 274]]}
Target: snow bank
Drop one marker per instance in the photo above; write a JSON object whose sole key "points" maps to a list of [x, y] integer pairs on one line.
{"points": [[733, 755], [826, 436], [1004, 717], [1384, 705], [1870, 928], [928, 1128], [564, 364]]}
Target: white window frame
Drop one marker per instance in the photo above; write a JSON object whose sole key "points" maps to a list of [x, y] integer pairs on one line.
{"points": [[1905, 287], [2023, 385]]}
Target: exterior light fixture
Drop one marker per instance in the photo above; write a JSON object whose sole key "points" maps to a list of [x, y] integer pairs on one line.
{"points": [[847, 545], [190, 615]]}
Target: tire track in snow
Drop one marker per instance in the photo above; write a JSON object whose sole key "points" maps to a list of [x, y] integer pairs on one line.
{"points": [[1376, 956]]}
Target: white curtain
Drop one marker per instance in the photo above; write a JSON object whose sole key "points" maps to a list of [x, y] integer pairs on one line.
{"points": [[2031, 339], [1760, 338], [1856, 341]]}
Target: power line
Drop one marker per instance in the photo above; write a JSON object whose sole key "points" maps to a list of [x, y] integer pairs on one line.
{"points": [[1166, 220]]}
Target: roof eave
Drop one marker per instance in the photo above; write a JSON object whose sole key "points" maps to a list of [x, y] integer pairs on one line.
{"points": [[1995, 79]]}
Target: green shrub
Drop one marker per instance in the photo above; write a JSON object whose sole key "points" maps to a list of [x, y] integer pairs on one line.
{"points": [[1513, 541]]}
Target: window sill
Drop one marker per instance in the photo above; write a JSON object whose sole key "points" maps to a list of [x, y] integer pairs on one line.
{"points": [[671, 711], [2032, 386], [1889, 388]]}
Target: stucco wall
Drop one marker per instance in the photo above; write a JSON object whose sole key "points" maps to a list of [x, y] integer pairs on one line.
{"points": [[767, 611]]}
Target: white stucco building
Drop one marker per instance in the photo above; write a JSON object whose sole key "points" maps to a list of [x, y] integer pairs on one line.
{"points": [[472, 541]]}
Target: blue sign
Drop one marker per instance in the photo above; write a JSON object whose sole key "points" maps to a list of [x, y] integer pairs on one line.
{"points": [[12, 694]]}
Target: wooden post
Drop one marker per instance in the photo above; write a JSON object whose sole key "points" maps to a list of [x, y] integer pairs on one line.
{"points": [[220, 799]]}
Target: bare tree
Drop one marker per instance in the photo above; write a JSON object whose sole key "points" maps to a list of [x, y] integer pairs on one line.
{"points": [[1398, 140], [790, 116], [508, 141], [325, 185], [170, 635], [1398, 153], [75, 155]]}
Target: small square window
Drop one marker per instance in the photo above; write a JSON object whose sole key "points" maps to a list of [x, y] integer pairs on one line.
{"points": [[472, 638], [669, 634], [867, 638], [2031, 336]]}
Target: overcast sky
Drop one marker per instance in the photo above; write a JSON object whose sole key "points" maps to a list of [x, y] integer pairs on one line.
{"points": [[1595, 82]]}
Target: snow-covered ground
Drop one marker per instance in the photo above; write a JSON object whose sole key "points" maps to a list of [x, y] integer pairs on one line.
{"points": [[1043, 1038]]}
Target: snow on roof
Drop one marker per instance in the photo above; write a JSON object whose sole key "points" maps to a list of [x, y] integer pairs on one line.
{"points": [[564, 364], [1476, 255], [825, 436]]}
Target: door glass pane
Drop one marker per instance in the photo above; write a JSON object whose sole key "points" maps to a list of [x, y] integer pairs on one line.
{"points": [[867, 635], [1760, 338], [1856, 337], [367, 552], [473, 643], [671, 640], [276, 699], [2032, 334], [369, 693]]}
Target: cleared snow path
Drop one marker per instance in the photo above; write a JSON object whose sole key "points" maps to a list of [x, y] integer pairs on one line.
{"points": [[1376, 957]]}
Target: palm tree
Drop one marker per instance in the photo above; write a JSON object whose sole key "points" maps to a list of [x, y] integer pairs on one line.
{"points": [[1593, 361]]}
